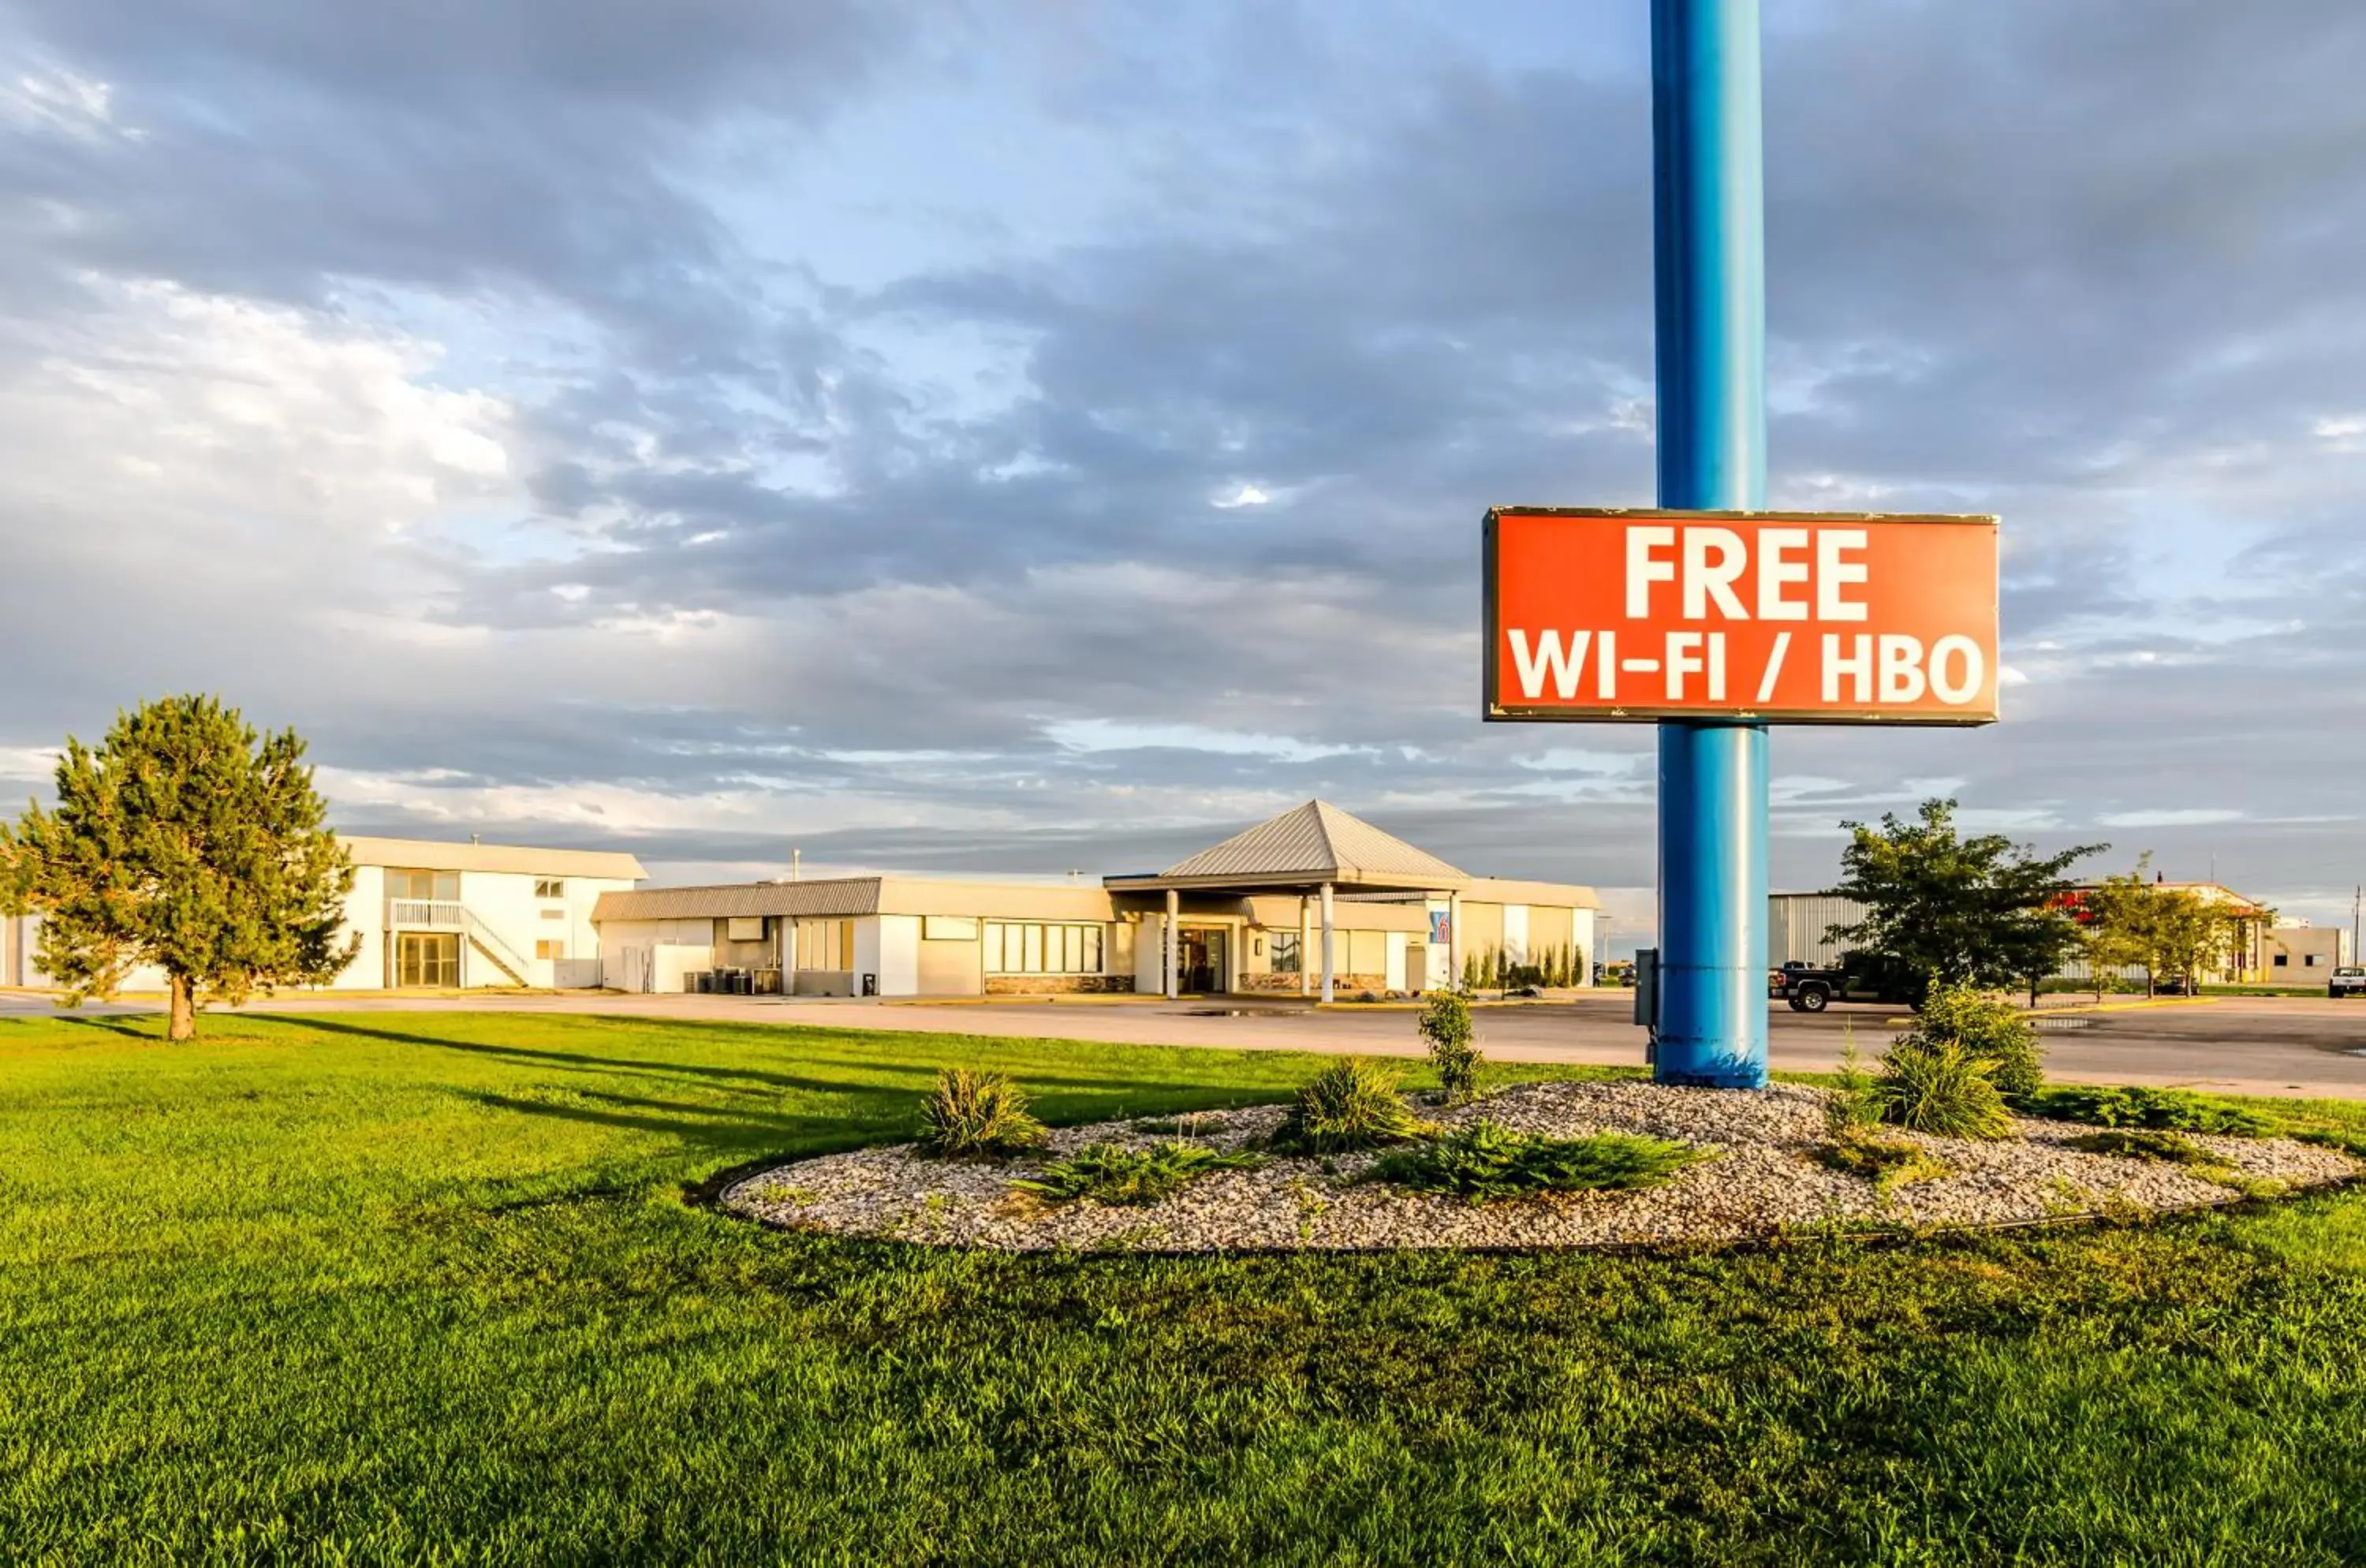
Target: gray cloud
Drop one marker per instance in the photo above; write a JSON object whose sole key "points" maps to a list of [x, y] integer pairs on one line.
{"points": [[782, 556]]}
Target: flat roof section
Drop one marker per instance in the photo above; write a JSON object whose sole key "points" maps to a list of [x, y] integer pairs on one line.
{"points": [[840, 895], [434, 855]]}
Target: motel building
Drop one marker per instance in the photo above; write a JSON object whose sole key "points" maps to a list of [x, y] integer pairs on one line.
{"points": [[439, 915], [1314, 903]]}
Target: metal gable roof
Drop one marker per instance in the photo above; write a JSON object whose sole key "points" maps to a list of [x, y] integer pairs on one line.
{"points": [[1312, 843]]}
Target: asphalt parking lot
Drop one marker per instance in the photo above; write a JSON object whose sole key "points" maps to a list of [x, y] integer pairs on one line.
{"points": [[2252, 1045]]}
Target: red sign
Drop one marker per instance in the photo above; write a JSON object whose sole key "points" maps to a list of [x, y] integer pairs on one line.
{"points": [[1803, 617]]}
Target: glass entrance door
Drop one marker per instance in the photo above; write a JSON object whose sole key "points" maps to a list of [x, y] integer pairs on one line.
{"points": [[1199, 959], [427, 958]]}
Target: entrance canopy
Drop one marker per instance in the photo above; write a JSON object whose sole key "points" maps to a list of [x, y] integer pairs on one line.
{"points": [[1304, 849]]}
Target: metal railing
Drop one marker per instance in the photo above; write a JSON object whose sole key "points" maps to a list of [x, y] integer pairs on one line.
{"points": [[494, 948], [448, 915]]}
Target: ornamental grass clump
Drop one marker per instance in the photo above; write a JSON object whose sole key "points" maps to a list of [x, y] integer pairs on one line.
{"points": [[1350, 1106], [1484, 1162], [1445, 1028], [2165, 1110], [1986, 1029], [1118, 1174], [1937, 1087], [976, 1115]]}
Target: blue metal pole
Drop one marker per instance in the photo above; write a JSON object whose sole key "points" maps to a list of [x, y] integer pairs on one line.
{"points": [[1711, 293]]}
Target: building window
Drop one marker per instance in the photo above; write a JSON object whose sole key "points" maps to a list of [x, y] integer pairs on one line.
{"points": [[442, 887], [2308, 960], [2282, 959], [744, 928], [1286, 960], [1028, 947], [549, 888], [826, 944], [551, 950]]}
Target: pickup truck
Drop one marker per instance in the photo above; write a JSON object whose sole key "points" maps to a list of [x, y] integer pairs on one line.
{"points": [[2349, 980], [1808, 991]]}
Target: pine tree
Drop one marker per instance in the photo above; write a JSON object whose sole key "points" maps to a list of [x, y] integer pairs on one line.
{"points": [[183, 843]]}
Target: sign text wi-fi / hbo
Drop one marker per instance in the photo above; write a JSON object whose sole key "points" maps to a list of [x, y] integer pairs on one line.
{"points": [[1807, 617]]}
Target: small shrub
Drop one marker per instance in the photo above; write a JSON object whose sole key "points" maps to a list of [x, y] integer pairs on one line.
{"points": [[1117, 1175], [973, 1115], [1989, 1031], [1854, 1104], [1352, 1105], [1888, 1163], [2167, 1110], [2145, 1142], [1446, 1026], [1483, 1162], [1937, 1087]]}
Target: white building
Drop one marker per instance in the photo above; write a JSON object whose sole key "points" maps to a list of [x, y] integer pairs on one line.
{"points": [[439, 915], [444, 914], [1312, 902]]}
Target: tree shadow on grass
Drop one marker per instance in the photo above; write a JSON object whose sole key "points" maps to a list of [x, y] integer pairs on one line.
{"points": [[919, 1075], [712, 1128], [126, 1025]]}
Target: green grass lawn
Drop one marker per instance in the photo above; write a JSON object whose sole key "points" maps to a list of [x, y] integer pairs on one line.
{"points": [[402, 1288]]}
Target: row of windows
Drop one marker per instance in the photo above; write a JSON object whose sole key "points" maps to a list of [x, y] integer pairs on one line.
{"points": [[825, 944], [1014, 947], [443, 886]]}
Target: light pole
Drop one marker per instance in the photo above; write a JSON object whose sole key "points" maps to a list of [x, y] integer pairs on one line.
{"points": [[1710, 300]]}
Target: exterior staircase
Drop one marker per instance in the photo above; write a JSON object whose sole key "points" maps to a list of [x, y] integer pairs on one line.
{"points": [[444, 914], [489, 941]]}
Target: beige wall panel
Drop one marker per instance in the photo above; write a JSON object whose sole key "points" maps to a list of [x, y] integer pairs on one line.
{"points": [[952, 968]]}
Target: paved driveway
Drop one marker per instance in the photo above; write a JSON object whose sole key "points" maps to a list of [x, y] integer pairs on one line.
{"points": [[2252, 1045]]}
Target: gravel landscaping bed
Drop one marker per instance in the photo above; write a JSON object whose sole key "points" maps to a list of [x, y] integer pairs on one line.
{"points": [[1762, 1179]]}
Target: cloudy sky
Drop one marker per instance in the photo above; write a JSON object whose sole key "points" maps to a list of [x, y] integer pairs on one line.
{"points": [[1021, 435]]}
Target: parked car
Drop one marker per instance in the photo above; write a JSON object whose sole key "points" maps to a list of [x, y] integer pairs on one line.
{"points": [[2349, 980]]}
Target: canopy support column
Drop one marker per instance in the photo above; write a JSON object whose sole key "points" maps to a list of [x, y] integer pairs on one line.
{"points": [[1170, 940], [1306, 944], [1326, 943]]}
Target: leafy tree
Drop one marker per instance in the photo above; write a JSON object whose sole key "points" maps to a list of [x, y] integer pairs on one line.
{"points": [[2135, 921], [1953, 910], [182, 842]]}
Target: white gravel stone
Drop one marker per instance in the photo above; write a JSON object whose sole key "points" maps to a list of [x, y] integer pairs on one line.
{"points": [[1762, 1179]]}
